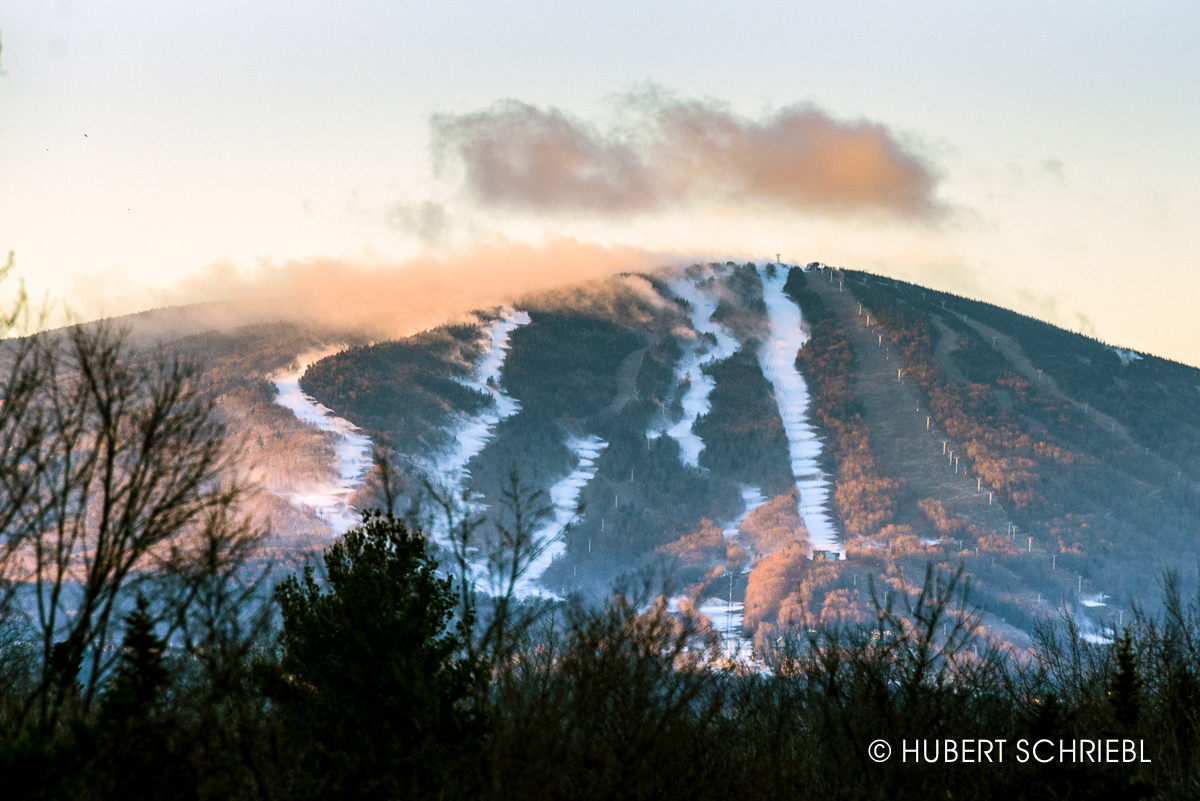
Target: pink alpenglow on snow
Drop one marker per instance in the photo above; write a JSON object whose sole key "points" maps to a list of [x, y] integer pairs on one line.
{"points": [[330, 499]]}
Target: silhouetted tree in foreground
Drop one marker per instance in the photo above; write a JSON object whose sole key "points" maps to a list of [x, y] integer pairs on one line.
{"points": [[119, 534], [368, 691], [131, 731], [114, 479], [374, 698]]}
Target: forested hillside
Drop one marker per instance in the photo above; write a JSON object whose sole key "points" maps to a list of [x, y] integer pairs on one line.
{"points": [[1053, 427], [1059, 471]]}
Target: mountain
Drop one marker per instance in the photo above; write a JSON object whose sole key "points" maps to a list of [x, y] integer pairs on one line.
{"points": [[771, 443]]}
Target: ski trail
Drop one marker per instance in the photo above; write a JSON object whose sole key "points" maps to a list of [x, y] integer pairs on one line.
{"points": [[724, 614], [329, 499], [689, 370], [475, 431], [777, 356], [564, 497], [752, 498]]}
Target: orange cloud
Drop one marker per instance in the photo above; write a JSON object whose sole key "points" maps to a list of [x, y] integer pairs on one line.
{"points": [[395, 299], [672, 152]]}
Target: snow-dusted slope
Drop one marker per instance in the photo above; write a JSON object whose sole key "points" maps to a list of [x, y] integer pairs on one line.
{"points": [[330, 500], [777, 356], [752, 498], [726, 618], [473, 432], [699, 293]]}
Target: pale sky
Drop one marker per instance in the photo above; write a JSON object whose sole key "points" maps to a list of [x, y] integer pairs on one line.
{"points": [[1046, 155]]}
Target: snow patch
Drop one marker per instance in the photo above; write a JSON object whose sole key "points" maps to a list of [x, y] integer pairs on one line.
{"points": [[752, 498], [726, 615], [1126, 356]]}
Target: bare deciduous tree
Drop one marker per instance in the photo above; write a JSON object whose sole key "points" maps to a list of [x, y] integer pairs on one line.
{"points": [[114, 475]]}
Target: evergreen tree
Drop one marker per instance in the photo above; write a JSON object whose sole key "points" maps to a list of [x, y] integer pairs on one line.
{"points": [[1125, 688], [141, 673], [133, 737], [374, 696]]}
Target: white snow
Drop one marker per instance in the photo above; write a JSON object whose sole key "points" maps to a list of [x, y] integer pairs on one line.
{"points": [[777, 357], [725, 615], [473, 432], [689, 370], [728, 621], [564, 497], [752, 498], [1089, 631], [1126, 356], [330, 499]]}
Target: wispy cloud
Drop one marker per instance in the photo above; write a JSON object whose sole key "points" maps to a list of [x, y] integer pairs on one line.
{"points": [[668, 152], [1051, 309]]}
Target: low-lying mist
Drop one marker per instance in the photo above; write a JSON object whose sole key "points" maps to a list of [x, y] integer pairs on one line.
{"points": [[386, 300]]}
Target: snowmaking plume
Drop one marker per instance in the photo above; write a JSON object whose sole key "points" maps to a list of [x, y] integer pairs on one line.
{"points": [[393, 299]]}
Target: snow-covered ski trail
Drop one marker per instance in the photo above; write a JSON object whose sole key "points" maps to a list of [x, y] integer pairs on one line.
{"points": [[329, 499], [777, 357]]}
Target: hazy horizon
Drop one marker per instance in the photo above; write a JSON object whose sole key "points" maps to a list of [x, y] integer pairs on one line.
{"points": [[1040, 159]]}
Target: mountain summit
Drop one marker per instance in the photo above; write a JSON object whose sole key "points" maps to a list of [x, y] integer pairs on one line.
{"points": [[774, 442]]}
